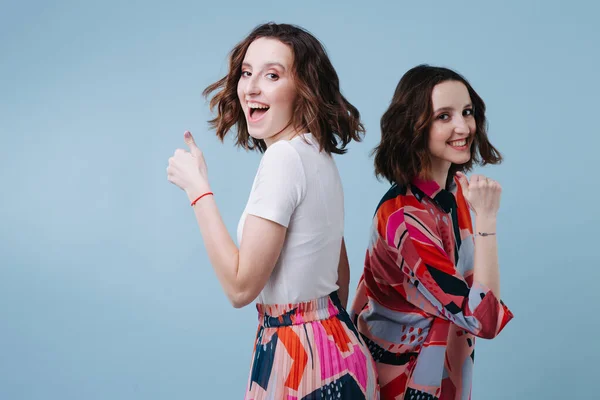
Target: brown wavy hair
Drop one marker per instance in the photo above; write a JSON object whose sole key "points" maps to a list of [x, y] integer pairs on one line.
{"points": [[320, 107], [403, 152]]}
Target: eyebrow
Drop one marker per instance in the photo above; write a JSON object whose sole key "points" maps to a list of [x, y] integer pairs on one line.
{"points": [[450, 108], [267, 65]]}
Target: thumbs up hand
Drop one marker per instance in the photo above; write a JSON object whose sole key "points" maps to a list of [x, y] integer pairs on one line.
{"points": [[187, 169]]}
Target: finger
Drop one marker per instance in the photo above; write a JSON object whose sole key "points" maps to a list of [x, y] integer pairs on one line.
{"points": [[482, 183], [464, 182], [175, 180], [476, 178], [179, 152], [189, 140], [173, 164]]}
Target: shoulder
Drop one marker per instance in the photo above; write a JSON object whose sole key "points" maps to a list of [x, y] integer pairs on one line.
{"points": [[398, 197], [389, 214], [281, 168], [398, 210], [280, 150], [392, 197], [281, 155]]}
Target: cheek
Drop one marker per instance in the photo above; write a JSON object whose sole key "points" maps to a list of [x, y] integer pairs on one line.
{"points": [[240, 91], [473, 126], [437, 137], [285, 96]]}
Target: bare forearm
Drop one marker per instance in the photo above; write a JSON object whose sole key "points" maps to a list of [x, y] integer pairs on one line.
{"points": [[222, 251], [486, 254], [241, 272], [343, 276]]}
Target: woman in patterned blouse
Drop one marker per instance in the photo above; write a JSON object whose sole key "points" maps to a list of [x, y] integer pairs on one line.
{"points": [[431, 283]]}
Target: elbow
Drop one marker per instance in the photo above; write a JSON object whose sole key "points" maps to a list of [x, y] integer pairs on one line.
{"points": [[490, 330], [487, 334], [481, 332], [240, 299], [492, 321], [477, 328], [238, 304]]}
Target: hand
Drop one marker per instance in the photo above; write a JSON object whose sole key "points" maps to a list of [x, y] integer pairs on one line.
{"points": [[482, 194], [188, 170]]}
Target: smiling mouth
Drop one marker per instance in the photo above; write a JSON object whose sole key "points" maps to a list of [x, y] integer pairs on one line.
{"points": [[256, 111], [460, 144]]}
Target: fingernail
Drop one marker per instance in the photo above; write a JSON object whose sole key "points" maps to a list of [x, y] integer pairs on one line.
{"points": [[187, 134]]}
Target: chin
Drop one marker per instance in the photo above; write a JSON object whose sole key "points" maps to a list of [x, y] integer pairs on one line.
{"points": [[257, 134], [460, 160]]}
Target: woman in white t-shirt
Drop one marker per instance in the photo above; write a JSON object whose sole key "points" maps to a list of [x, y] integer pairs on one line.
{"points": [[282, 94]]}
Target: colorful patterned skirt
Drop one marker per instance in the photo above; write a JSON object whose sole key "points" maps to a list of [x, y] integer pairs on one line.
{"points": [[310, 351]]}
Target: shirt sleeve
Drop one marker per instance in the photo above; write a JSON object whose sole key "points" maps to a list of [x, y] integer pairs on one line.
{"points": [[432, 276], [279, 186]]}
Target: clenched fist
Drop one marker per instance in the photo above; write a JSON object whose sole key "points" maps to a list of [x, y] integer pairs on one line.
{"points": [[483, 194]]}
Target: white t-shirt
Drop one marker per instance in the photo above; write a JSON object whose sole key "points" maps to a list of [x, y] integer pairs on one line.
{"points": [[300, 188]]}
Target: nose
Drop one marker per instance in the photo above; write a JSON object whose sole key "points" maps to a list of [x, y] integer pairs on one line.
{"points": [[461, 126], [252, 86]]}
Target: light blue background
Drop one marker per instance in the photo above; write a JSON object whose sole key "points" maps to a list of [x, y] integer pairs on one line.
{"points": [[105, 287]]}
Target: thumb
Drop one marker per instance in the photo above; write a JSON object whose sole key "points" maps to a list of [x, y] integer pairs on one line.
{"points": [[189, 140], [464, 182]]}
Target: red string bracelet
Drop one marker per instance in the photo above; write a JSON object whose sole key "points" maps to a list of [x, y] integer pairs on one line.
{"points": [[199, 197]]}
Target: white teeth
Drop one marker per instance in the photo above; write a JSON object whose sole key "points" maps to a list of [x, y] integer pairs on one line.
{"points": [[458, 143], [257, 105]]}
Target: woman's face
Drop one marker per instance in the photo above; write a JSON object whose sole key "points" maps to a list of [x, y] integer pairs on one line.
{"points": [[453, 128], [266, 90]]}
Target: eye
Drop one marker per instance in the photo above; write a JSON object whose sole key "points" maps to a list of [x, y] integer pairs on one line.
{"points": [[246, 74], [468, 112], [443, 117], [272, 76]]}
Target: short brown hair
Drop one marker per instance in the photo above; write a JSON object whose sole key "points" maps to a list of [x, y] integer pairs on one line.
{"points": [[403, 152], [320, 107]]}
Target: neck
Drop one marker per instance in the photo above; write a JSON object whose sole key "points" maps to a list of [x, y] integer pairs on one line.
{"points": [[286, 133]]}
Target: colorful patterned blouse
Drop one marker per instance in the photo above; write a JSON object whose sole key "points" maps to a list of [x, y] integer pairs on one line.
{"points": [[417, 306]]}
